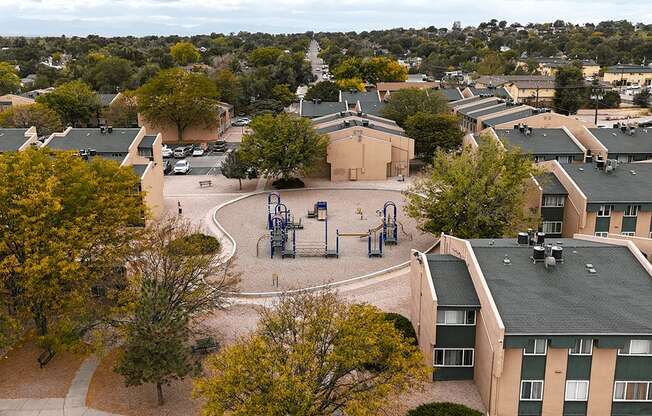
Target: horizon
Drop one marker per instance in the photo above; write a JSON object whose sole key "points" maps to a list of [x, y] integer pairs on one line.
{"points": [[40, 18]]}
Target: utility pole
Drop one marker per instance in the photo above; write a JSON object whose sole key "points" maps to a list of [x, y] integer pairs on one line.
{"points": [[597, 96]]}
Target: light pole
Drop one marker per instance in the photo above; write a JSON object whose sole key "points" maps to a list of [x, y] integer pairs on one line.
{"points": [[596, 94]]}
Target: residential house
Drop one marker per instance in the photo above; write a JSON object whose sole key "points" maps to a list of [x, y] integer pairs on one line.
{"points": [[12, 100]]}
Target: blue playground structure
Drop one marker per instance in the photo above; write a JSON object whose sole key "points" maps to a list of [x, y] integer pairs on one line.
{"points": [[390, 230]]}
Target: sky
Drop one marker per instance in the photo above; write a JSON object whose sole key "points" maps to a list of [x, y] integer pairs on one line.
{"points": [[188, 17]]}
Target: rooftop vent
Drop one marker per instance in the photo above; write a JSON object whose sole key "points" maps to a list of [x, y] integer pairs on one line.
{"points": [[109, 129], [506, 260], [611, 165], [523, 239], [633, 172], [538, 254]]}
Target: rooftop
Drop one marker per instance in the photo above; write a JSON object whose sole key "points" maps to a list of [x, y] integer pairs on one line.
{"points": [[550, 184], [92, 138], [613, 187], [506, 118], [106, 99], [363, 97], [567, 298], [541, 141], [487, 102], [147, 142], [621, 141], [357, 123], [311, 109], [373, 108], [629, 69], [451, 94], [452, 281], [497, 92], [12, 139]]}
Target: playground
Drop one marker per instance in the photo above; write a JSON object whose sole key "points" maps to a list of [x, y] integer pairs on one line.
{"points": [[297, 239]]}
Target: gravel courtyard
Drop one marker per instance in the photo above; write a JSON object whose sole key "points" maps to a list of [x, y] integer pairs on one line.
{"points": [[246, 221]]}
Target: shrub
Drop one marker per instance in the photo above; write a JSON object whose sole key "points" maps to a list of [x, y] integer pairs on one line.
{"points": [[443, 409], [404, 326], [194, 243], [288, 183]]}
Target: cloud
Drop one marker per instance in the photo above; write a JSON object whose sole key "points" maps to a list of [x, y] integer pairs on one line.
{"points": [[131, 17]]}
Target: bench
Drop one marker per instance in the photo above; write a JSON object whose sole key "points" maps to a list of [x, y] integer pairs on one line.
{"points": [[205, 346], [208, 183], [45, 357]]}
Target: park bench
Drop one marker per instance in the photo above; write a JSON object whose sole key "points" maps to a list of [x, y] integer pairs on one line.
{"points": [[45, 357], [205, 346], [207, 183]]}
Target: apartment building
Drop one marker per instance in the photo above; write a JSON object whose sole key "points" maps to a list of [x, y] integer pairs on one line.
{"points": [[365, 147], [478, 113], [8, 101], [625, 143], [560, 329], [550, 66], [385, 89], [500, 92], [535, 90], [628, 75], [16, 140], [127, 146]]}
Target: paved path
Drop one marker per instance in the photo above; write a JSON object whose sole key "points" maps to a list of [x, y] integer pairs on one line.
{"points": [[74, 404]]}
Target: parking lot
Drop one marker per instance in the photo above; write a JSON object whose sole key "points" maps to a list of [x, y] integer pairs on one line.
{"points": [[209, 164]]}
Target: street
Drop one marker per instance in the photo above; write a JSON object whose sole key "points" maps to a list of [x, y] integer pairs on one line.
{"points": [[315, 61]]}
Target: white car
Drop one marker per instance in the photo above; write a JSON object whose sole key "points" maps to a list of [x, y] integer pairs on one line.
{"points": [[198, 151], [182, 167], [166, 151]]}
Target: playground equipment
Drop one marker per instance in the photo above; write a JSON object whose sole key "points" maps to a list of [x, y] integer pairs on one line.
{"points": [[374, 241], [273, 199], [390, 229], [319, 211]]}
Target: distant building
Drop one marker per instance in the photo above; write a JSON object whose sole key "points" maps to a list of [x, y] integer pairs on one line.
{"points": [[628, 75], [535, 90], [16, 140], [12, 100], [550, 66]]}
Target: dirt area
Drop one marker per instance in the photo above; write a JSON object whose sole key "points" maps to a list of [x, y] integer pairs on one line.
{"points": [[179, 185], [250, 231], [462, 392], [23, 378]]}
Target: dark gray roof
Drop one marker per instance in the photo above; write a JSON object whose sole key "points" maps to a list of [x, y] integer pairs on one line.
{"points": [[495, 108], [311, 110], [617, 186], [139, 169], [116, 142], [464, 101], [619, 142], [567, 299], [496, 92], [147, 142], [490, 122], [363, 97], [105, 99], [335, 116], [490, 102], [12, 139], [451, 94], [551, 184], [629, 69], [542, 141], [358, 123], [373, 108], [452, 281]]}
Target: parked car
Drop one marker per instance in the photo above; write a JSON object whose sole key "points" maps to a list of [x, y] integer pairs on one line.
{"points": [[182, 167], [167, 166], [198, 151], [219, 146], [182, 151], [166, 151], [241, 121]]}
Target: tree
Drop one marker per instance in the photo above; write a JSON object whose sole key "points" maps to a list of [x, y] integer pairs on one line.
{"points": [[110, 74], [184, 53], [282, 93], [264, 56], [478, 193], [443, 409], [75, 102], [372, 70], [46, 120], [228, 86], [233, 167], [350, 84], [325, 91], [407, 102], [9, 80], [642, 99], [570, 90], [433, 131], [282, 145], [64, 223], [178, 277], [310, 356], [492, 64], [177, 97], [123, 112]]}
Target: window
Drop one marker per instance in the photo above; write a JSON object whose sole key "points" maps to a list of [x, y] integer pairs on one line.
{"points": [[536, 347], [538, 159], [628, 233], [602, 234], [532, 390], [582, 347], [631, 210], [553, 200], [454, 357], [551, 227], [455, 317], [569, 159], [637, 347], [605, 211], [577, 390], [632, 391]]}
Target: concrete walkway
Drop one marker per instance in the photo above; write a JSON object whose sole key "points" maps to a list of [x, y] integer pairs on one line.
{"points": [[74, 404]]}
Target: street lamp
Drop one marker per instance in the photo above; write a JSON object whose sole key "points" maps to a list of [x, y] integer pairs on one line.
{"points": [[597, 95]]}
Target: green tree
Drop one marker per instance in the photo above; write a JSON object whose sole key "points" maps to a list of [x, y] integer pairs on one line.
{"points": [[492, 64], [325, 91], [346, 84], [184, 53], [64, 224], [407, 102], [443, 409], [46, 120], [110, 74], [282, 93], [178, 276], [282, 145], [310, 356], [264, 56], [228, 86], [642, 99], [570, 90], [75, 102], [233, 167], [372, 70], [9, 80], [177, 97], [433, 131], [478, 193], [123, 112]]}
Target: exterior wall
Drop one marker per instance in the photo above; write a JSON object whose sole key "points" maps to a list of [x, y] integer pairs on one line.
{"points": [[192, 134], [152, 184], [575, 215], [423, 305], [31, 136], [554, 389], [642, 243], [516, 109], [616, 222], [528, 95], [590, 70], [628, 78], [601, 383], [508, 391], [372, 154], [469, 140], [592, 143]]}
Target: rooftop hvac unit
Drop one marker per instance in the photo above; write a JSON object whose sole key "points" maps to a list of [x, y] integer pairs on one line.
{"points": [[550, 262], [557, 253], [342, 114], [523, 239], [365, 123], [538, 254], [109, 129], [611, 165], [599, 162], [541, 238]]}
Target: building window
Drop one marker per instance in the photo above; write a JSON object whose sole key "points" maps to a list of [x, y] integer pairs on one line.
{"points": [[602, 234], [641, 347], [632, 391], [605, 211], [552, 227], [455, 317], [454, 357], [628, 233], [144, 152], [631, 210], [536, 347], [577, 390], [532, 390], [582, 347], [553, 200], [569, 159], [538, 159]]}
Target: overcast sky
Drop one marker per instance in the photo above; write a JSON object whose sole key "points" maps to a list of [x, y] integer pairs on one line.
{"points": [[185, 17]]}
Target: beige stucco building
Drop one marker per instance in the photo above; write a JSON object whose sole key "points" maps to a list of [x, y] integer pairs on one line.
{"points": [[8, 101], [365, 147], [628, 75]]}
